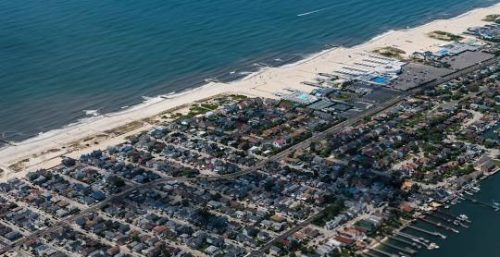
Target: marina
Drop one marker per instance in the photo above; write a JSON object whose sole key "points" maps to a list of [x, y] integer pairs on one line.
{"points": [[441, 226], [480, 225]]}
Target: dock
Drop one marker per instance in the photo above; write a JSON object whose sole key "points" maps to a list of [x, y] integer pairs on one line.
{"points": [[496, 208], [439, 225], [384, 253], [435, 215], [407, 250], [432, 233], [422, 241], [404, 241], [369, 254], [455, 222], [412, 237], [451, 216]]}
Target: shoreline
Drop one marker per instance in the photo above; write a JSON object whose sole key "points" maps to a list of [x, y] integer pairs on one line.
{"points": [[248, 74], [295, 59], [40, 150]]}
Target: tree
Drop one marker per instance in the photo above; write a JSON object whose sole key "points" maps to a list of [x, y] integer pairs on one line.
{"points": [[118, 182]]}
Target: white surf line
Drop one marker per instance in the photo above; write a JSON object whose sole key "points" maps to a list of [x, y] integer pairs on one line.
{"points": [[311, 12]]}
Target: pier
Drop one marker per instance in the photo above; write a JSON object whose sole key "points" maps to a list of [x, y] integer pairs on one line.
{"points": [[449, 220], [404, 241], [432, 233], [384, 253], [424, 242], [496, 208], [454, 221], [369, 254], [451, 216], [459, 223], [439, 225], [407, 250], [413, 238]]}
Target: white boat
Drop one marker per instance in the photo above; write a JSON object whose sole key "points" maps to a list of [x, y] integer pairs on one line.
{"points": [[433, 246], [463, 217], [469, 193]]}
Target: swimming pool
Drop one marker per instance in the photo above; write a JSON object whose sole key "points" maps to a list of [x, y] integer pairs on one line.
{"points": [[381, 80]]}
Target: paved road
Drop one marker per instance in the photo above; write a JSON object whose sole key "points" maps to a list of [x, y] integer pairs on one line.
{"points": [[334, 129]]}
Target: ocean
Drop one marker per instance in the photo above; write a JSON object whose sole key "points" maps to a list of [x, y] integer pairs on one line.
{"points": [[64, 60]]}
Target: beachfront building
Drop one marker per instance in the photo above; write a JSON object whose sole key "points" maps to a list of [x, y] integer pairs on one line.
{"points": [[455, 48], [373, 70], [490, 32], [301, 98]]}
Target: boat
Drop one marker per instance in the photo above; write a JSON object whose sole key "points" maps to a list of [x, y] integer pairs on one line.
{"points": [[433, 246], [463, 217]]}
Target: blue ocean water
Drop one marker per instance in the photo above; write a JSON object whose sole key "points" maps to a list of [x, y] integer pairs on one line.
{"points": [[60, 57]]}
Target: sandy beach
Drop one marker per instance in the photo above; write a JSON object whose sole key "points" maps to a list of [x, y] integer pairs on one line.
{"points": [[44, 151]]}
